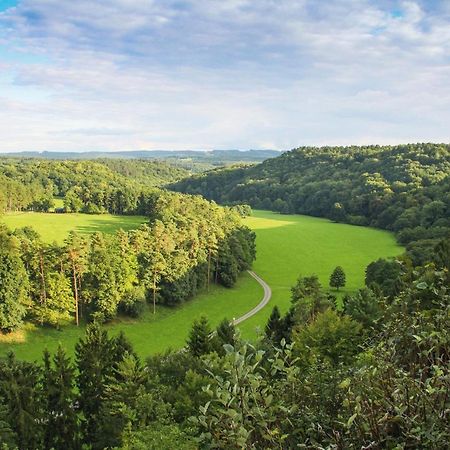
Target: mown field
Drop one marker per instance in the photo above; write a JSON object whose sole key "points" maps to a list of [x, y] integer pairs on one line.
{"points": [[287, 246]]}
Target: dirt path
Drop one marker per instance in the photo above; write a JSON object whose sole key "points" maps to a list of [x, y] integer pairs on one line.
{"points": [[261, 304]]}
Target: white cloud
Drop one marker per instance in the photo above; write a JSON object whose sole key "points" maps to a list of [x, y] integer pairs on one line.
{"points": [[161, 74]]}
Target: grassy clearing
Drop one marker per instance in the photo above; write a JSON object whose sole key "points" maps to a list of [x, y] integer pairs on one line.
{"points": [[55, 227], [290, 245], [287, 246]]}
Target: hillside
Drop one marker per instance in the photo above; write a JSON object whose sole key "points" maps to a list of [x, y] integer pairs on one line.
{"points": [[403, 188], [99, 186]]}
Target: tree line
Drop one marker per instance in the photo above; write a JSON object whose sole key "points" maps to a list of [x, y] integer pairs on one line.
{"points": [[375, 374], [404, 188], [187, 244]]}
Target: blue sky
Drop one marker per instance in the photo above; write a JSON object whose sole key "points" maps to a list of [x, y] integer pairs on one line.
{"points": [[180, 74]]}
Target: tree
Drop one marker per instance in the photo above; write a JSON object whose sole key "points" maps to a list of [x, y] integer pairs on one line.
{"points": [[75, 248], [273, 325], [225, 334], [94, 357], [61, 430], [385, 275], [122, 390], [329, 337], [199, 341], [364, 307], [337, 278], [21, 393], [59, 306], [13, 284]]}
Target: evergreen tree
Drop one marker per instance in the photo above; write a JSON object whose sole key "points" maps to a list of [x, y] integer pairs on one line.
{"points": [[225, 334], [273, 326], [122, 391], [95, 362], [337, 278], [62, 423], [199, 341], [20, 389], [8, 438]]}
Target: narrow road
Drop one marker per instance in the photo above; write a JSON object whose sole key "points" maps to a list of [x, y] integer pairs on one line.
{"points": [[261, 304]]}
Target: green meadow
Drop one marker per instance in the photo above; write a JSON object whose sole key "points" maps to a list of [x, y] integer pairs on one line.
{"points": [[287, 246], [293, 245], [55, 227]]}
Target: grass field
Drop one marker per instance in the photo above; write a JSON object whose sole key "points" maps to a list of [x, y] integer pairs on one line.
{"points": [[55, 227], [286, 247], [290, 245]]}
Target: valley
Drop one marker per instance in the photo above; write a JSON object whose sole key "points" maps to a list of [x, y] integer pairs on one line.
{"points": [[287, 246]]}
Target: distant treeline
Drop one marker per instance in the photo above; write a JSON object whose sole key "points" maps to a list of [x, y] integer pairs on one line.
{"points": [[115, 186], [405, 188], [188, 243]]}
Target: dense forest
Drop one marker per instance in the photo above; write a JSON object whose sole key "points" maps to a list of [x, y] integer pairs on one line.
{"points": [[405, 188], [111, 185], [373, 375], [187, 242]]}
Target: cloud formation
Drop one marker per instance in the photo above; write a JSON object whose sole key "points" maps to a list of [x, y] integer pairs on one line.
{"points": [[129, 74]]}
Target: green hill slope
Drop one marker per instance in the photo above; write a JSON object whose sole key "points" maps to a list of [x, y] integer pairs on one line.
{"points": [[405, 188]]}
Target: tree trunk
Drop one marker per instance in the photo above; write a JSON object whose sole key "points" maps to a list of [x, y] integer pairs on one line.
{"points": [[209, 268], [42, 273], [154, 293], [75, 288], [217, 269]]}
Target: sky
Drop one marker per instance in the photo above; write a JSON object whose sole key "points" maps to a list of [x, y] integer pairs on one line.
{"points": [[221, 74]]}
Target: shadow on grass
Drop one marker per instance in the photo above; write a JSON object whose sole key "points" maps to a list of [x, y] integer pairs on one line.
{"points": [[110, 226]]}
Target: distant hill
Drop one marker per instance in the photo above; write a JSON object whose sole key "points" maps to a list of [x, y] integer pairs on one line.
{"points": [[191, 159], [403, 188]]}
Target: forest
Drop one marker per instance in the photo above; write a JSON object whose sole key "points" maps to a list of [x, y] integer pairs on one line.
{"points": [[110, 185], [187, 243], [404, 189]]}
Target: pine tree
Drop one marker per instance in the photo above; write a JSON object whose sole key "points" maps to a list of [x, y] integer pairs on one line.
{"points": [[273, 327], [7, 436], [95, 359], [199, 342], [19, 387], [225, 334], [62, 422], [122, 391], [337, 278]]}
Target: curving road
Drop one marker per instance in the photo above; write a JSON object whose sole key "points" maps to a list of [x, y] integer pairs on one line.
{"points": [[261, 304]]}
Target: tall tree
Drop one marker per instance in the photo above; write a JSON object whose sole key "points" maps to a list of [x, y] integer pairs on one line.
{"points": [[95, 362], [76, 249], [13, 283], [21, 391], [61, 427]]}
